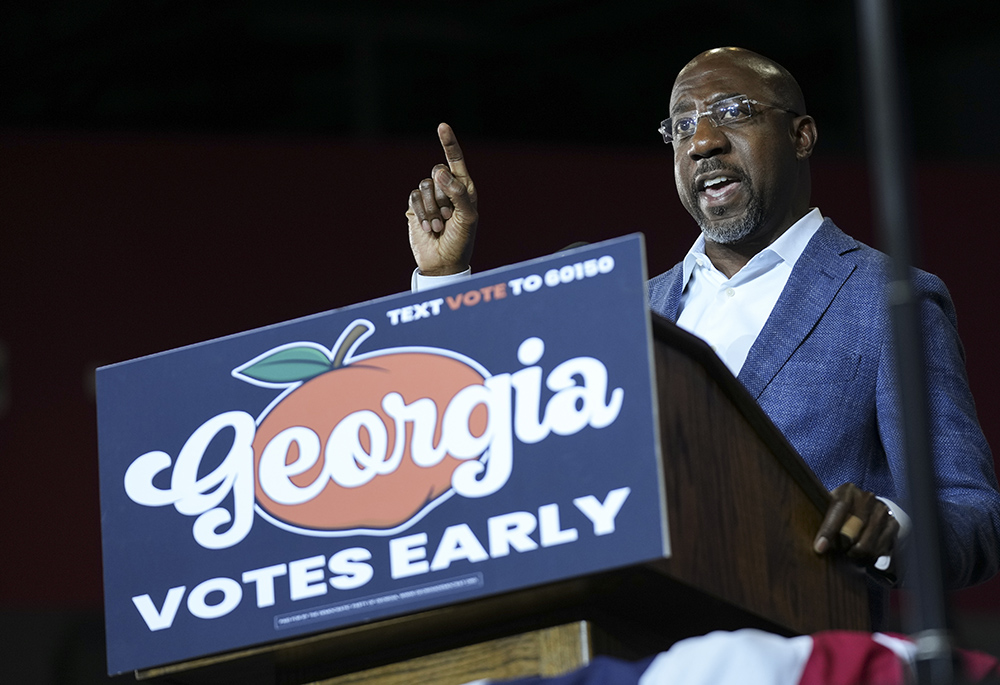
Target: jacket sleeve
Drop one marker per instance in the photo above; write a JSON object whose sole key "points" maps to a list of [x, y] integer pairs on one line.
{"points": [[963, 465]]}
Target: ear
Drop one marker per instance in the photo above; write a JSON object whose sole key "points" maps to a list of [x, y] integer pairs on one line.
{"points": [[804, 135]]}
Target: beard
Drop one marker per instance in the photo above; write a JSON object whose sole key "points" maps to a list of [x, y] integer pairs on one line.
{"points": [[726, 231]]}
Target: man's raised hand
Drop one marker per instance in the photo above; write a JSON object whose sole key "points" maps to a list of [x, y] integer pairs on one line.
{"points": [[443, 214]]}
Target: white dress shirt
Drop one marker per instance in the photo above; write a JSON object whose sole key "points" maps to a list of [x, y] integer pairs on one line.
{"points": [[419, 282], [729, 313]]}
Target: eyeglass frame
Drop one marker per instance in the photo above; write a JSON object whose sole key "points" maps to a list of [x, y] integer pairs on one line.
{"points": [[668, 137]]}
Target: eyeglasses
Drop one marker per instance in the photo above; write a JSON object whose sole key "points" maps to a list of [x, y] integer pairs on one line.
{"points": [[722, 113]]}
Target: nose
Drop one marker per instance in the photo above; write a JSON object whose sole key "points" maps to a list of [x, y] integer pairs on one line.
{"points": [[708, 140]]}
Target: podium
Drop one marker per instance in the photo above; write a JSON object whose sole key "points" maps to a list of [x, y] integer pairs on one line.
{"points": [[742, 510]]}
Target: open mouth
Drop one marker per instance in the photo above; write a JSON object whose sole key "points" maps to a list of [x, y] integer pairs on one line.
{"points": [[717, 188]]}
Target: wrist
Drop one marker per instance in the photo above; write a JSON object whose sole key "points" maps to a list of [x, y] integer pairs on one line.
{"points": [[447, 270], [421, 281]]}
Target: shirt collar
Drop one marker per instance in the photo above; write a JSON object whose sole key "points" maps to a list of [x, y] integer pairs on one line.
{"points": [[788, 247]]}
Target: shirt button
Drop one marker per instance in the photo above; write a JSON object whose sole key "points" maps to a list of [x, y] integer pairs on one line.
{"points": [[730, 292]]}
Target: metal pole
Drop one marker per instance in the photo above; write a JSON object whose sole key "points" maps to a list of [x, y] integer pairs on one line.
{"points": [[926, 618]]}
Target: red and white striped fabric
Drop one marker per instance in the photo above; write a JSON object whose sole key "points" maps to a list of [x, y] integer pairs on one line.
{"points": [[753, 657]]}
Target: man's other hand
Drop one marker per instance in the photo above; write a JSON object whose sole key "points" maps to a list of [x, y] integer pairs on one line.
{"points": [[442, 215], [857, 524]]}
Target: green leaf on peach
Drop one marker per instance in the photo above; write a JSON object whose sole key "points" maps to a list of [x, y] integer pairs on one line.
{"points": [[289, 366]]}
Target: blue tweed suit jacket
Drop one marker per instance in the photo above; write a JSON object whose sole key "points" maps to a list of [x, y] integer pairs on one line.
{"points": [[823, 370]]}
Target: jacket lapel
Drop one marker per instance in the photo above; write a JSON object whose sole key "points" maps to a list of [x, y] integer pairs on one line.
{"points": [[818, 276], [671, 308]]}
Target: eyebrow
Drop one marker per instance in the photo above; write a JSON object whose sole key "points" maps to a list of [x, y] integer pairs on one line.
{"points": [[685, 104]]}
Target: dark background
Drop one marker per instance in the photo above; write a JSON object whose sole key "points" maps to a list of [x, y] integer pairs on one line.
{"points": [[175, 171]]}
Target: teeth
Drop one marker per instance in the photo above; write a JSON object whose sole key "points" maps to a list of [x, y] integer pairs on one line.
{"points": [[716, 181]]}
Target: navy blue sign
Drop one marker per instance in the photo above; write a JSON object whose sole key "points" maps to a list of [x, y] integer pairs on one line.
{"points": [[382, 459]]}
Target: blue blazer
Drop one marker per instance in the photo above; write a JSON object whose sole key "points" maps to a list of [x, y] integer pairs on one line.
{"points": [[822, 368]]}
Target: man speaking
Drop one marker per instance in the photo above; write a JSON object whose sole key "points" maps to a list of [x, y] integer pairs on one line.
{"points": [[793, 306]]}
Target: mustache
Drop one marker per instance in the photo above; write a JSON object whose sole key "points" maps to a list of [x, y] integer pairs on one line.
{"points": [[714, 164]]}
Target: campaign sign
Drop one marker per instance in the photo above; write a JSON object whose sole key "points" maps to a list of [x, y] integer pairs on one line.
{"points": [[382, 459]]}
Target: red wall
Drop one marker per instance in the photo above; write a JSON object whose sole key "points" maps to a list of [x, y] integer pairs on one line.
{"points": [[119, 246]]}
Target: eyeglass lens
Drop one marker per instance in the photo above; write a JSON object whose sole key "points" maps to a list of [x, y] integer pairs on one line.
{"points": [[721, 113]]}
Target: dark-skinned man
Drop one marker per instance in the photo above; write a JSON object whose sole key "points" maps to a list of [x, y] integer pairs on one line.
{"points": [[791, 304]]}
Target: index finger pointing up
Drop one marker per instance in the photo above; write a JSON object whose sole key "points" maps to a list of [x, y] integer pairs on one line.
{"points": [[452, 152]]}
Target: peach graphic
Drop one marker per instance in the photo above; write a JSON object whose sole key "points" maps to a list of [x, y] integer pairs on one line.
{"points": [[334, 390]]}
